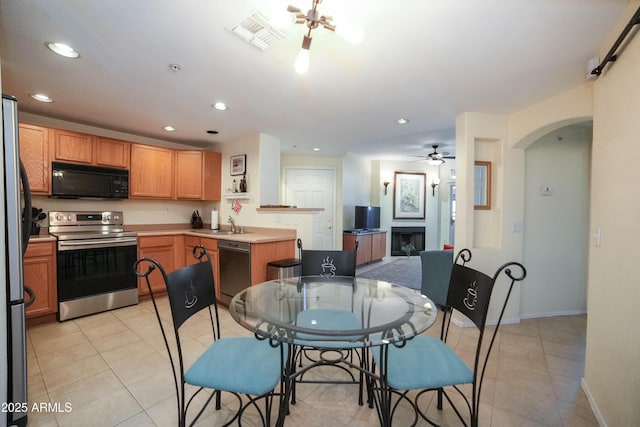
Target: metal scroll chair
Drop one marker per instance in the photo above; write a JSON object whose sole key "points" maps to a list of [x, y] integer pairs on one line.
{"points": [[429, 364], [239, 365], [328, 263]]}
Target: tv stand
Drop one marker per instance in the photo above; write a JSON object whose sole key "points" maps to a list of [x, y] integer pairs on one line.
{"points": [[372, 245]]}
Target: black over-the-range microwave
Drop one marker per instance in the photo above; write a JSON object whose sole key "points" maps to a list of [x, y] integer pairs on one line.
{"points": [[73, 181]]}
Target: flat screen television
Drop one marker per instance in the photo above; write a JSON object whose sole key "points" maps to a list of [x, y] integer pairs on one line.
{"points": [[367, 217]]}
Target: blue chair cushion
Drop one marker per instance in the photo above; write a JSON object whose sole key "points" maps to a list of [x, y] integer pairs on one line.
{"points": [[260, 366], [424, 363], [327, 321]]}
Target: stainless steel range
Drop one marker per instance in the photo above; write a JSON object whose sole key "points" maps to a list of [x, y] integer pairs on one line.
{"points": [[95, 260]]}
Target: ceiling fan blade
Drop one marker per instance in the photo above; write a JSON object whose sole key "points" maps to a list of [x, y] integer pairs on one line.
{"points": [[293, 9]]}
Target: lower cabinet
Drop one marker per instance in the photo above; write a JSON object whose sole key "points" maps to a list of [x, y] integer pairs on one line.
{"points": [[211, 245], [40, 275], [263, 253], [176, 251], [161, 249], [372, 245]]}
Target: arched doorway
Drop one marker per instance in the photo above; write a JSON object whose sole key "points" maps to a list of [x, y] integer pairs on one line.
{"points": [[555, 249]]}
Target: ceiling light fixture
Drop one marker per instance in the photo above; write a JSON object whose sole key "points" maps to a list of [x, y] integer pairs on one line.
{"points": [[169, 128], [435, 162], [212, 132], [40, 97], [316, 149], [220, 106], [63, 49], [313, 20], [402, 121]]}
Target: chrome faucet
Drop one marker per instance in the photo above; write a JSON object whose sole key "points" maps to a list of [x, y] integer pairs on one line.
{"points": [[233, 224]]}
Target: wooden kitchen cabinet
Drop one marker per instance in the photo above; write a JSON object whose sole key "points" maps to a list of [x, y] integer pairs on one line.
{"points": [[198, 175], [378, 246], [112, 153], [372, 246], [263, 253], [39, 269], [34, 153], [73, 147], [211, 245], [151, 174], [163, 250]]}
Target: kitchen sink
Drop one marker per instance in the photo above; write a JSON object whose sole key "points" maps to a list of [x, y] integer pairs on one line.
{"points": [[220, 232]]}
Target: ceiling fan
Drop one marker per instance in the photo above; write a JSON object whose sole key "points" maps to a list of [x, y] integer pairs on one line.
{"points": [[437, 158]]}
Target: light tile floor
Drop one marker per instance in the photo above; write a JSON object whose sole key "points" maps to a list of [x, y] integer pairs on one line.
{"points": [[112, 369]]}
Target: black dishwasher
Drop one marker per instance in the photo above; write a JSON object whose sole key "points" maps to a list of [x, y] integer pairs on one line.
{"points": [[235, 268]]}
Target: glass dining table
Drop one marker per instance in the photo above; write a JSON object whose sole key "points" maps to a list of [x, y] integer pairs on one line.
{"points": [[294, 311]]}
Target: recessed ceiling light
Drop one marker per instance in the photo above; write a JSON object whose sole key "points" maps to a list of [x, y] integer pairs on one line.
{"points": [[169, 128], [402, 121], [220, 106], [40, 97], [63, 49], [212, 132], [316, 149]]}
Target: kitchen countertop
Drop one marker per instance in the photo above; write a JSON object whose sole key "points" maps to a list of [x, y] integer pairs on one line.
{"points": [[42, 237], [250, 235]]}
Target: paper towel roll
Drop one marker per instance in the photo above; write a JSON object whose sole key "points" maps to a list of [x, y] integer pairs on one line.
{"points": [[214, 220]]}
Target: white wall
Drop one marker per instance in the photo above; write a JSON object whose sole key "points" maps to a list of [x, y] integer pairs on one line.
{"points": [[557, 225], [612, 372], [136, 211], [432, 210], [358, 187], [269, 170], [493, 236]]}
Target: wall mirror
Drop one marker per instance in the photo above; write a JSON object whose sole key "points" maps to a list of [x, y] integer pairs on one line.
{"points": [[482, 185]]}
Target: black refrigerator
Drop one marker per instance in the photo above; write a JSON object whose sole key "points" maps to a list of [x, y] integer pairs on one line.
{"points": [[16, 220]]}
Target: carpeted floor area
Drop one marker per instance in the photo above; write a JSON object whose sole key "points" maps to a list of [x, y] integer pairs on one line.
{"points": [[405, 271]]}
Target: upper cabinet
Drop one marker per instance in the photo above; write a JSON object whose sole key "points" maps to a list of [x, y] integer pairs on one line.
{"points": [[72, 146], [112, 153], [198, 175], [34, 153], [154, 172], [78, 147], [151, 173]]}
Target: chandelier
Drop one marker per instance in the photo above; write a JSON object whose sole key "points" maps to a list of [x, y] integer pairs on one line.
{"points": [[313, 20]]}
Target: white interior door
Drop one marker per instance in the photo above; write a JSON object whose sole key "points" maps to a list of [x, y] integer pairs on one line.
{"points": [[314, 188]]}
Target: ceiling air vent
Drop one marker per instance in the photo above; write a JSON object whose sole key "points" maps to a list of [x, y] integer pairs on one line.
{"points": [[257, 31]]}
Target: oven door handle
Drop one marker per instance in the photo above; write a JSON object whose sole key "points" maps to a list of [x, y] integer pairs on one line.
{"points": [[93, 244]]}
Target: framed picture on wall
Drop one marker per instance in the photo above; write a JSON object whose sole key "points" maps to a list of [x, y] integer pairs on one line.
{"points": [[482, 185], [408, 195], [238, 164]]}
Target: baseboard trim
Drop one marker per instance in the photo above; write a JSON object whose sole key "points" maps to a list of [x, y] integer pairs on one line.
{"points": [[464, 323], [553, 314], [593, 404]]}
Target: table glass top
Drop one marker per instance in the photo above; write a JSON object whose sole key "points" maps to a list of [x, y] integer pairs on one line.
{"points": [[333, 311]]}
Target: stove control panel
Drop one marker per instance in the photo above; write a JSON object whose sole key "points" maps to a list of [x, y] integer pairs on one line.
{"points": [[85, 218]]}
